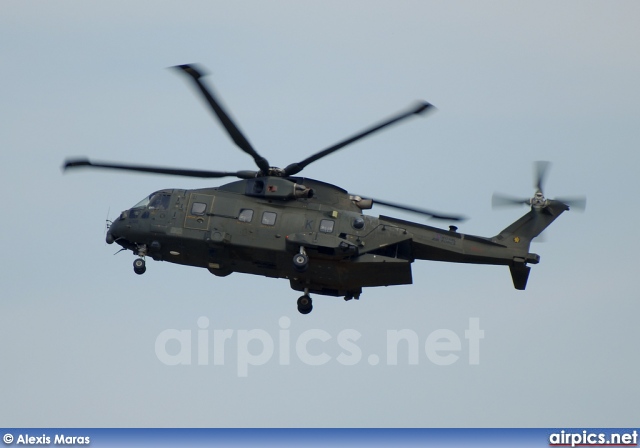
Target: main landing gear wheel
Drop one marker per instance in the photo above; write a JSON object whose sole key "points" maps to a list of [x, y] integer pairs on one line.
{"points": [[305, 305], [139, 266], [301, 262]]}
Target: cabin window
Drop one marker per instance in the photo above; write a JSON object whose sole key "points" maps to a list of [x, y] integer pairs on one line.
{"points": [[269, 218], [326, 225], [246, 215], [198, 208]]}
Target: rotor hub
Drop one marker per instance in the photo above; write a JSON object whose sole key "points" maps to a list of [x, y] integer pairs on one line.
{"points": [[538, 200], [275, 171]]}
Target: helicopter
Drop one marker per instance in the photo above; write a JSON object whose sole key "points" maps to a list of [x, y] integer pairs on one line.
{"points": [[274, 223]]}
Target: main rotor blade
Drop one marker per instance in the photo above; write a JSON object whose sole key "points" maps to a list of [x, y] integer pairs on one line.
{"points": [[420, 211], [541, 169], [231, 128], [500, 200], [295, 168], [79, 163]]}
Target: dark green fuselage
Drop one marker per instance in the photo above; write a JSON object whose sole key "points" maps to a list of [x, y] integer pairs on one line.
{"points": [[256, 226]]}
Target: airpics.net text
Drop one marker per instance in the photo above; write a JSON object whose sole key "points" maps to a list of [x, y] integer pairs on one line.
{"points": [[257, 347]]}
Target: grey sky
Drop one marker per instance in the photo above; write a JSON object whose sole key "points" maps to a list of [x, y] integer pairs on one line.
{"points": [[514, 82]]}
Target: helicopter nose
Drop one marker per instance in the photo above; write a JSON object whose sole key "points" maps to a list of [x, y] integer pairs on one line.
{"points": [[115, 231]]}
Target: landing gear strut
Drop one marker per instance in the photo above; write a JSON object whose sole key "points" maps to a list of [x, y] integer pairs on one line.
{"points": [[305, 305], [139, 265]]}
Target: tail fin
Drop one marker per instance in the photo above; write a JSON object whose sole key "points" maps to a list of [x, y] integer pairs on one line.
{"points": [[519, 275], [520, 233]]}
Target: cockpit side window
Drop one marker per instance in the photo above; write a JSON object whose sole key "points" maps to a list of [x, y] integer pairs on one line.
{"points": [[155, 201], [159, 201], [143, 203]]}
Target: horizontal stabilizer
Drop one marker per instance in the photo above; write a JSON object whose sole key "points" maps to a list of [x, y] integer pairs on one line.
{"points": [[520, 275]]}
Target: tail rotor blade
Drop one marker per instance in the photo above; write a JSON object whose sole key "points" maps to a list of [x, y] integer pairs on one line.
{"points": [[541, 169], [541, 237], [500, 200], [577, 203]]}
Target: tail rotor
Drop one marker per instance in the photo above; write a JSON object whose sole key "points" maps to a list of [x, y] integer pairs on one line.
{"points": [[538, 201]]}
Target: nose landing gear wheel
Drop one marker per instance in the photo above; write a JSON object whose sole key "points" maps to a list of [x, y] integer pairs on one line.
{"points": [[139, 266], [305, 305]]}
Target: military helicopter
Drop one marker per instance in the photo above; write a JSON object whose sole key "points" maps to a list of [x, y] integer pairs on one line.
{"points": [[275, 224]]}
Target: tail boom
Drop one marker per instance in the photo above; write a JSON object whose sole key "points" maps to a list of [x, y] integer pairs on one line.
{"points": [[509, 248]]}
